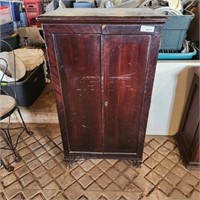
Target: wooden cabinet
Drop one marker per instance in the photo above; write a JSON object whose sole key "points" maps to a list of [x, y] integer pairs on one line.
{"points": [[102, 64], [188, 135]]}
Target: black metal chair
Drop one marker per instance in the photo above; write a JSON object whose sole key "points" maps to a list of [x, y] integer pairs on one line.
{"points": [[8, 106]]}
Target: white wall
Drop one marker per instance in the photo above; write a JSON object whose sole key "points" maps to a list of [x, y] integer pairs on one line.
{"points": [[170, 90]]}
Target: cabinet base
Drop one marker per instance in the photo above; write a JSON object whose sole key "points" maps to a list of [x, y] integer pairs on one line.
{"points": [[188, 163], [70, 159], [136, 163]]}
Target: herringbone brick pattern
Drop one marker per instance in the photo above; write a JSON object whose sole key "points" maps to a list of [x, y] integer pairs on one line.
{"points": [[43, 175]]}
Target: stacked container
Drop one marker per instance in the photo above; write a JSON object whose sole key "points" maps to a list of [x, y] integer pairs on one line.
{"points": [[173, 38], [33, 9], [14, 11], [5, 15], [7, 30], [174, 31]]}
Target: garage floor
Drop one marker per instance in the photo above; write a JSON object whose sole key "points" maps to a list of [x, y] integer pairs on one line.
{"points": [[42, 173]]}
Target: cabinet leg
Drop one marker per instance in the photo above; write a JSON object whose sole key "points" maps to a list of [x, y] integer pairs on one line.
{"points": [[69, 160], [136, 163]]}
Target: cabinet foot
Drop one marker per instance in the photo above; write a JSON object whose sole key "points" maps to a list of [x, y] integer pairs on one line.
{"points": [[136, 163], [69, 160]]}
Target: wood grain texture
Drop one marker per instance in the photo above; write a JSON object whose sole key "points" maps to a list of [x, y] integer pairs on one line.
{"points": [[188, 135], [101, 15], [79, 70], [124, 83], [54, 72], [103, 75]]}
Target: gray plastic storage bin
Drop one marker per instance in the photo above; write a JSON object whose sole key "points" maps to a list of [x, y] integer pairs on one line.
{"points": [[174, 31]]}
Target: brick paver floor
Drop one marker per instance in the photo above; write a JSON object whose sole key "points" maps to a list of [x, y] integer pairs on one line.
{"points": [[42, 173]]}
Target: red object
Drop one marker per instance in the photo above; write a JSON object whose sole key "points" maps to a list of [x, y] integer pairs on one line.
{"points": [[32, 1], [3, 7], [33, 9]]}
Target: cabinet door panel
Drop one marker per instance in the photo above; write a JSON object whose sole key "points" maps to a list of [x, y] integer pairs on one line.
{"points": [[78, 57], [125, 59]]}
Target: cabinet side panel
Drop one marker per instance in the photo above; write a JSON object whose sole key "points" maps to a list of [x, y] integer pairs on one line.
{"points": [[191, 120], [56, 84], [78, 57], [195, 150], [125, 60]]}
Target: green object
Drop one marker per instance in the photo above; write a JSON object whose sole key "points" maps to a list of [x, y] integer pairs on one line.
{"points": [[4, 83], [117, 2]]}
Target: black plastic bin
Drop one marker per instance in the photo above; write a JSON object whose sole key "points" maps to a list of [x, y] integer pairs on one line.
{"points": [[13, 40], [29, 88]]}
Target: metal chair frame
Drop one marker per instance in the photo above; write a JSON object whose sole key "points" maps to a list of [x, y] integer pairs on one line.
{"points": [[6, 132]]}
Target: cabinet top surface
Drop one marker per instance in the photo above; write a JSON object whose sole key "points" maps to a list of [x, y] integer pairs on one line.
{"points": [[101, 14]]}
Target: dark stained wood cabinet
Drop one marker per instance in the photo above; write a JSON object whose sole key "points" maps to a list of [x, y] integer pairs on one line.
{"points": [[102, 63], [187, 137]]}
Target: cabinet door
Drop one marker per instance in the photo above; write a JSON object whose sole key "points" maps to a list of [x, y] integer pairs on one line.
{"points": [[78, 58], [124, 61]]}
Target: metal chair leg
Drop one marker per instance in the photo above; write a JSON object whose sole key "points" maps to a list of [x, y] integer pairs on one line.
{"points": [[8, 139], [8, 167], [12, 147], [25, 127]]}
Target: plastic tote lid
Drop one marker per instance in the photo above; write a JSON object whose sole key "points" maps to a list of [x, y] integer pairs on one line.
{"points": [[20, 68], [30, 57]]}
